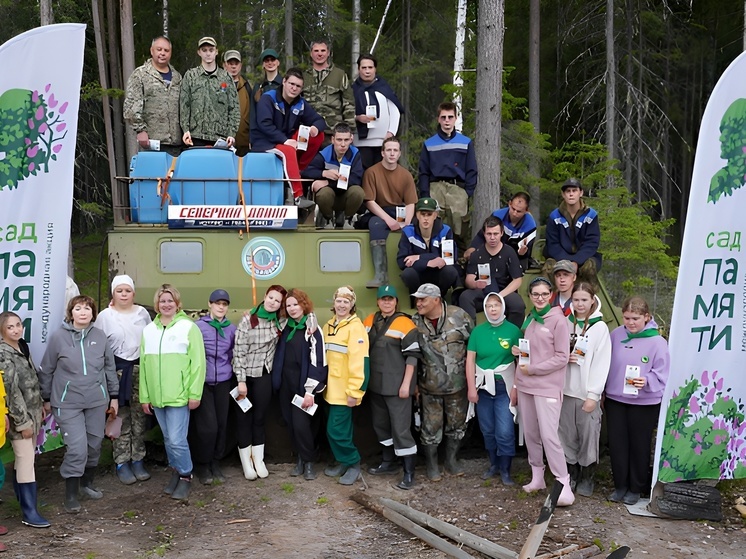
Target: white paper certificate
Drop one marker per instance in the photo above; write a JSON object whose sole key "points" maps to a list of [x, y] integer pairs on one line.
{"points": [[243, 403]]}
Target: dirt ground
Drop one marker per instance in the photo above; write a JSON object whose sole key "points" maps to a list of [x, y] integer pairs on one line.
{"points": [[288, 517]]}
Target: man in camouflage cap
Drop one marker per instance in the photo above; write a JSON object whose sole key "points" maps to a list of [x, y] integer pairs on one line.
{"points": [[151, 102], [445, 332], [209, 101], [327, 88]]}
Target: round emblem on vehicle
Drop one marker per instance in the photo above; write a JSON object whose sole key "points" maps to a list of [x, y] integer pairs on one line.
{"points": [[263, 258]]}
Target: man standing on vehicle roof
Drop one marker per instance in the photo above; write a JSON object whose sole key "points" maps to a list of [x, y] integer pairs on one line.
{"points": [[232, 65], [337, 171], [573, 234], [327, 88], [209, 105], [445, 331], [390, 196], [280, 114], [448, 172], [151, 101]]}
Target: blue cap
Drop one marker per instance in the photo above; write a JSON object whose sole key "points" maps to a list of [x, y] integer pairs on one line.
{"points": [[386, 291], [220, 295]]}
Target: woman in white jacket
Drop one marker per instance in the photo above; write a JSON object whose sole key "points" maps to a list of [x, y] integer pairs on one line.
{"points": [[590, 356]]}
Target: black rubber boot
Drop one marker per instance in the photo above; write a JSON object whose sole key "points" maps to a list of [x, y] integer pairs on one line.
{"points": [[309, 474], [389, 464], [298, 470], [504, 463], [204, 475], [431, 462], [86, 485], [217, 472], [574, 471], [29, 512], [585, 480], [407, 481], [183, 486], [494, 468], [72, 485], [169, 489], [452, 464]]}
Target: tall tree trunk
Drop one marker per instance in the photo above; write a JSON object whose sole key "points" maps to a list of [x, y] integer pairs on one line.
{"points": [[490, 36], [248, 49], [165, 18], [288, 34], [628, 132], [610, 83], [355, 37], [46, 13], [534, 88], [98, 32], [458, 61], [115, 69], [406, 61], [128, 61]]}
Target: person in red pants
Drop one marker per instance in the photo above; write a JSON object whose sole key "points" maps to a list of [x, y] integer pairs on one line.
{"points": [[280, 115]]}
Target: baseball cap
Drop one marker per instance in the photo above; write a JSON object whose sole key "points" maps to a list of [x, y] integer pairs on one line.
{"points": [[386, 291], [231, 55], [426, 205], [572, 182], [207, 41], [220, 295], [266, 53], [427, 290], [564, 266]]}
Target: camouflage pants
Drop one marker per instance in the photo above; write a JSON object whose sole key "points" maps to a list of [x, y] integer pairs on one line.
{"points": [[454, 204], [438, 409], [131, 443]]}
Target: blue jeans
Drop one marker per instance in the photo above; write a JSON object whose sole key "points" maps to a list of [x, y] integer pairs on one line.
{"points": [[496, 421], [174, 423]]}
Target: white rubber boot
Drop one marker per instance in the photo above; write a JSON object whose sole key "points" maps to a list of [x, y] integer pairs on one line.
{"points": [[248, 468], [537, 480], [567, 497], [257, 456]]}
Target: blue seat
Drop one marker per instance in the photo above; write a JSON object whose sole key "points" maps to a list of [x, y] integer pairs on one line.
{"points": [[145, 203]]}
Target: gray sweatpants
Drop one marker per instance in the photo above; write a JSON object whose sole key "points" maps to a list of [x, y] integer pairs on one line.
{"points": [[579, 432], [83, 432]]}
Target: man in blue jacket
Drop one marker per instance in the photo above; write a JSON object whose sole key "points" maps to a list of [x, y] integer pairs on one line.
{"points": [[337, 173], [448, 172], [573, 234], [423, 256], [280, 114]]}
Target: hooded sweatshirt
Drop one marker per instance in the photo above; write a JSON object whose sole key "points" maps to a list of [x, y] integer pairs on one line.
{"points": [[218, 350], [172, 362], [588, 380], [549, 351], [78, 369], [651, 354]]}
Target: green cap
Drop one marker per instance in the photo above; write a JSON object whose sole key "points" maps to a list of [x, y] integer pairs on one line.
{"points": [[386, 291], [267, 53], [426, 205]]}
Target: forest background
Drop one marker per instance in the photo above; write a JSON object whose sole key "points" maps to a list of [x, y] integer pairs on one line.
{"points": [[609, 91]]}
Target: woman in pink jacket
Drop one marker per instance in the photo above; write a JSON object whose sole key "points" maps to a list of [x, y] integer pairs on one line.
{"points": [[539, 385]]}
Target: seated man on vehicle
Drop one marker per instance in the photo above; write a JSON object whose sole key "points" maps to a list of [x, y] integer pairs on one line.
{"points": [[390, 197], [337, 173], [427, 251], [573, 234], [494, 268], [564, 277], [290, 128], [519, 229]]}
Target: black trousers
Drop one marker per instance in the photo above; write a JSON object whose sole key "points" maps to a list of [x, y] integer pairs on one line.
{"points": [[630, 428], [209, 422], [252, 424], [302, 428]]}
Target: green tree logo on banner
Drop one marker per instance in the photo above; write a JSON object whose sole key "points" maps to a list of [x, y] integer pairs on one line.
{"points": [[31, 133], [733, 149]]}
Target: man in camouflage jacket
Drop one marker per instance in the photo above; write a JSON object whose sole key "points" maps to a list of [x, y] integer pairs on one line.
{"points": [[445, 332], [151, 102], [327, 89], [209, 101]]}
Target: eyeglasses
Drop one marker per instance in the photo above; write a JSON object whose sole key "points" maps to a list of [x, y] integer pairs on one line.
{"points": [[446, 117], [545, 295]]}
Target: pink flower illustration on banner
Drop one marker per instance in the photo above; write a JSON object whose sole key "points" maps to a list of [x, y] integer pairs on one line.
{"points": [[32, 133]]}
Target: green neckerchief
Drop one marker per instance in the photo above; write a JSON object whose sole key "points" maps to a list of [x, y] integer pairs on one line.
{"points": [[261, 312], [219, 326], [584, 324], [538, 316], [295, 326], [647, 333]]}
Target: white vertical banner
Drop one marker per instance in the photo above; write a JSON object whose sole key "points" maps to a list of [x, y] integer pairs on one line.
{"points": [[702, 426], [39, 98]]}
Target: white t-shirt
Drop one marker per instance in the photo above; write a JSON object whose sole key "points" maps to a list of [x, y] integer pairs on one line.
{"points": [[124, 330]]}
